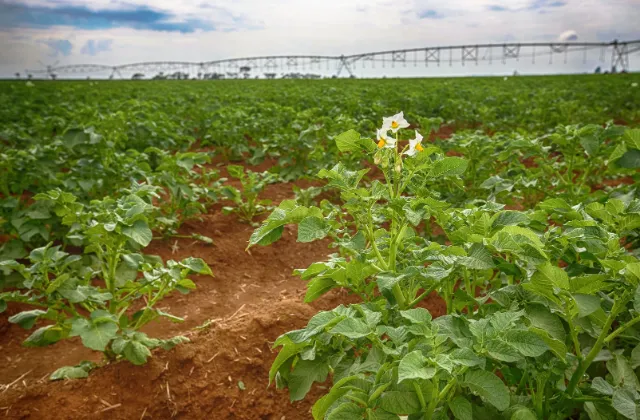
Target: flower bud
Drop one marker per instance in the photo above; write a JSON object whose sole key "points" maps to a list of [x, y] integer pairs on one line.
{"points": [[377, 159], [398, 167]]}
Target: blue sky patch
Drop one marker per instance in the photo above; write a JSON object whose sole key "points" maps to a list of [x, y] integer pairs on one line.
{"points": [[497, 8], [96, 46], [58, 46], [81, 17], [430, 14]]}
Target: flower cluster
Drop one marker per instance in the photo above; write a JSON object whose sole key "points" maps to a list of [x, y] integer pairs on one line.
{"points": [[394, 124]]}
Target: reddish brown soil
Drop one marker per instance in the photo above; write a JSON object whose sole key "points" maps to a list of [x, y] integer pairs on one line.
{"points": [[626, 180], [252, 299]]}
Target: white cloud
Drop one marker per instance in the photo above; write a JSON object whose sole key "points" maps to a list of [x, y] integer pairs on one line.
{"points": [[329, 27]]}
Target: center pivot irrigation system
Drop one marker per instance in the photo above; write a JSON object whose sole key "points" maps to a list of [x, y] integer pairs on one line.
{"points": [[617, 51]]}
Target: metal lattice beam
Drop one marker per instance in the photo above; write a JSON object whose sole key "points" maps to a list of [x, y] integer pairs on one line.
{"points": [[620, 51]]}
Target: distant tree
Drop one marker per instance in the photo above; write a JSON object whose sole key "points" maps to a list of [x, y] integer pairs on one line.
{"points": [[270, 75], [598, 70], [17, 75], [54, 76], [29, 76], [137, 76], [199, 75]]}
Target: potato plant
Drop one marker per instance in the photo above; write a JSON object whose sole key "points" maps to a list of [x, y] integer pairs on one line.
{"points": [[106, 294], [246, 202], [541, 305]]}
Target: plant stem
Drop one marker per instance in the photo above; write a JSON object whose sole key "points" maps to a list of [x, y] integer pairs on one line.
{"points": [[420, 297], [539, 396], [621, 329], [467, 286], [423, 403], [584, 365], [372, 239], [574, 336], [433, 402], [112, 281]]}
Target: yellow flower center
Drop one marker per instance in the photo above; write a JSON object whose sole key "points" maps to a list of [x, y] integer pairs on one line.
{"points": [[394, 124], [381, 143], [419, 147]]}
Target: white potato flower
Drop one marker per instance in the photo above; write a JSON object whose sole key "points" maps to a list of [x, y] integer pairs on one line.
{"points": [[394, 123], [415, 145], [384, 140]]}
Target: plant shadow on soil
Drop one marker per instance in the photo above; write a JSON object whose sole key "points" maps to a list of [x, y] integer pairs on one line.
{"points": [[252, 299]]}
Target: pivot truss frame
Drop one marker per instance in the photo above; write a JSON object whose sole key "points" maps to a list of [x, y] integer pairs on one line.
{"points": [[486, 53]]}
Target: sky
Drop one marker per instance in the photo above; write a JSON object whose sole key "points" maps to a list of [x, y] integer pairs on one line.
{"points": [[36, 33]]}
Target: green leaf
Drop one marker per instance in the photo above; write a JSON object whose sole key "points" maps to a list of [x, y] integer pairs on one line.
{"points": [[44, 336], [489, 387], [74, 137], [509, 218], [349, 141], [635, 357], [304, 374], [414, 366], [556, 346], [466, 357], [630, 160], [417, 315], [587, 304], [602, 386], [591, 144], [448, 166], [523, 413], [26, 319], [632, 137], [526, 342], [623, 401], [589, 284], [321, 406], [622, 373], [400, 402], [502, 351], [347, 411], [12, 250], [71, 372], [3, 306], [136, 352], [478, 258], [318, 287], [197, 265], [289, 349], [173, 341], [548, 274], [312, 228], [519, 241], [632, 273], [461, 408], [351, 328], [96, 332], [541, 317], [600, 411], [139, 232]]}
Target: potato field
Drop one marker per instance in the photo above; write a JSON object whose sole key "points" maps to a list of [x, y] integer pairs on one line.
{"points": [[421, 249]]}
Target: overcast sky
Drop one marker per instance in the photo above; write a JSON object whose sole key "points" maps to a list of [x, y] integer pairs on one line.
{"points": [[119, 32]]}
